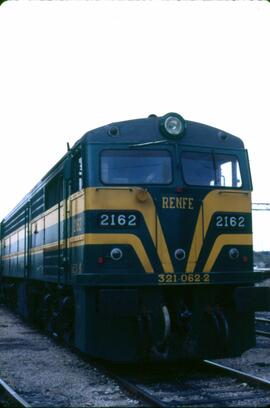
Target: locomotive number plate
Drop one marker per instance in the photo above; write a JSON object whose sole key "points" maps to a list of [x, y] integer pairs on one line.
{"points": [[184, 278], [117, 220], [226, 221]]}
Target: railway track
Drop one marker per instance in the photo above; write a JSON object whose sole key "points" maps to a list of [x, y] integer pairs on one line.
{"points": [[206, 385], [9, 397], [262, 326]]}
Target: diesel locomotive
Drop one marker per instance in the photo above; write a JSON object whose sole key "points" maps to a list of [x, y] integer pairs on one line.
{"points": [[137, 244]]}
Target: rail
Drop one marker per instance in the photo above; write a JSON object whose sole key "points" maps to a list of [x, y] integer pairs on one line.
{"points": [[8, 394], [199, 387], [239, 374], [261, 321]]}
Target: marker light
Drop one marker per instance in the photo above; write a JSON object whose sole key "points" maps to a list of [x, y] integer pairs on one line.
{"points": [[172, 125], [100, 260]]}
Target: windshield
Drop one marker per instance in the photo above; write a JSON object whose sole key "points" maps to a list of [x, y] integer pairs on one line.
{"points": [[207, 169], [136, 167]]}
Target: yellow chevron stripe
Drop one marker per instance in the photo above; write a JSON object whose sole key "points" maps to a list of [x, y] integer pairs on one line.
{"points": [[118, 239], [221, 241], [162, 250], [215, 201], [126, 199], [197, 244]]}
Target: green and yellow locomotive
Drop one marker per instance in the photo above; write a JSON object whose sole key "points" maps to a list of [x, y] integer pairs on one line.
{"points": [[137, 244]]}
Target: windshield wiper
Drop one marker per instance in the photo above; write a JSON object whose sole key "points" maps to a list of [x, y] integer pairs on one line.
{"points": [[175, 145], [149, 143]]}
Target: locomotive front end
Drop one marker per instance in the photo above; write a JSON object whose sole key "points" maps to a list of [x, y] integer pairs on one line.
{"points": [[165, 236]]}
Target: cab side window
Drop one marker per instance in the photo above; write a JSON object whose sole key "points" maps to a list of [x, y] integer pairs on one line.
{"points": [[54, 192]]}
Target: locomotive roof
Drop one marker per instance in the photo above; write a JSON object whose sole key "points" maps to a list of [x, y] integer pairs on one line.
{"points": [[148, 130]]}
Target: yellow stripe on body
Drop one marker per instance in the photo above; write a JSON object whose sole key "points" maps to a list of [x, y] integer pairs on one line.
{"points": [[51, 217], [52, 246], [38, 249], [73, 241], [76, 203], [42, 221], [35, 250], [13, 255], [215, 201], [221, 241]]}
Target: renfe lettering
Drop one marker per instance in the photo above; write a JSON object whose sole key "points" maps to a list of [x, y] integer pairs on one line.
{"points": [[182, 203]]}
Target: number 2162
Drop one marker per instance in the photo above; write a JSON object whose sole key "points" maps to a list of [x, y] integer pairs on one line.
{"points": [[230, 221]]}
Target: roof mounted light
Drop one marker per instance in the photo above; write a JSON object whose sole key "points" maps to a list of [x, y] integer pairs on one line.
{"points": [[172, 125]]}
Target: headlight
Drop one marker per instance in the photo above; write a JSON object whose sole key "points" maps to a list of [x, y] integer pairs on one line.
{"points": [[172, 125], [116, 254], [234, 253], [179, 254]]}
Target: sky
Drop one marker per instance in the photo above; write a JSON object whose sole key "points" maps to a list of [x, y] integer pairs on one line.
{"points": [[67, 67]]}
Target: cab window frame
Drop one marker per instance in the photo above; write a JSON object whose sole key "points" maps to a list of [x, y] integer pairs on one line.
{"points": [[214, 153], [134, 183]]}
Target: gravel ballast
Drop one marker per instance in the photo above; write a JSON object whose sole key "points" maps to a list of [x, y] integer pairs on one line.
{"points": [[47, 374]]}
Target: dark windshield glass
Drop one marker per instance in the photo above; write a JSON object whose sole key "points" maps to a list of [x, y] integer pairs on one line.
{"points": [[207, 169], [198, 168], [136, 167]]}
